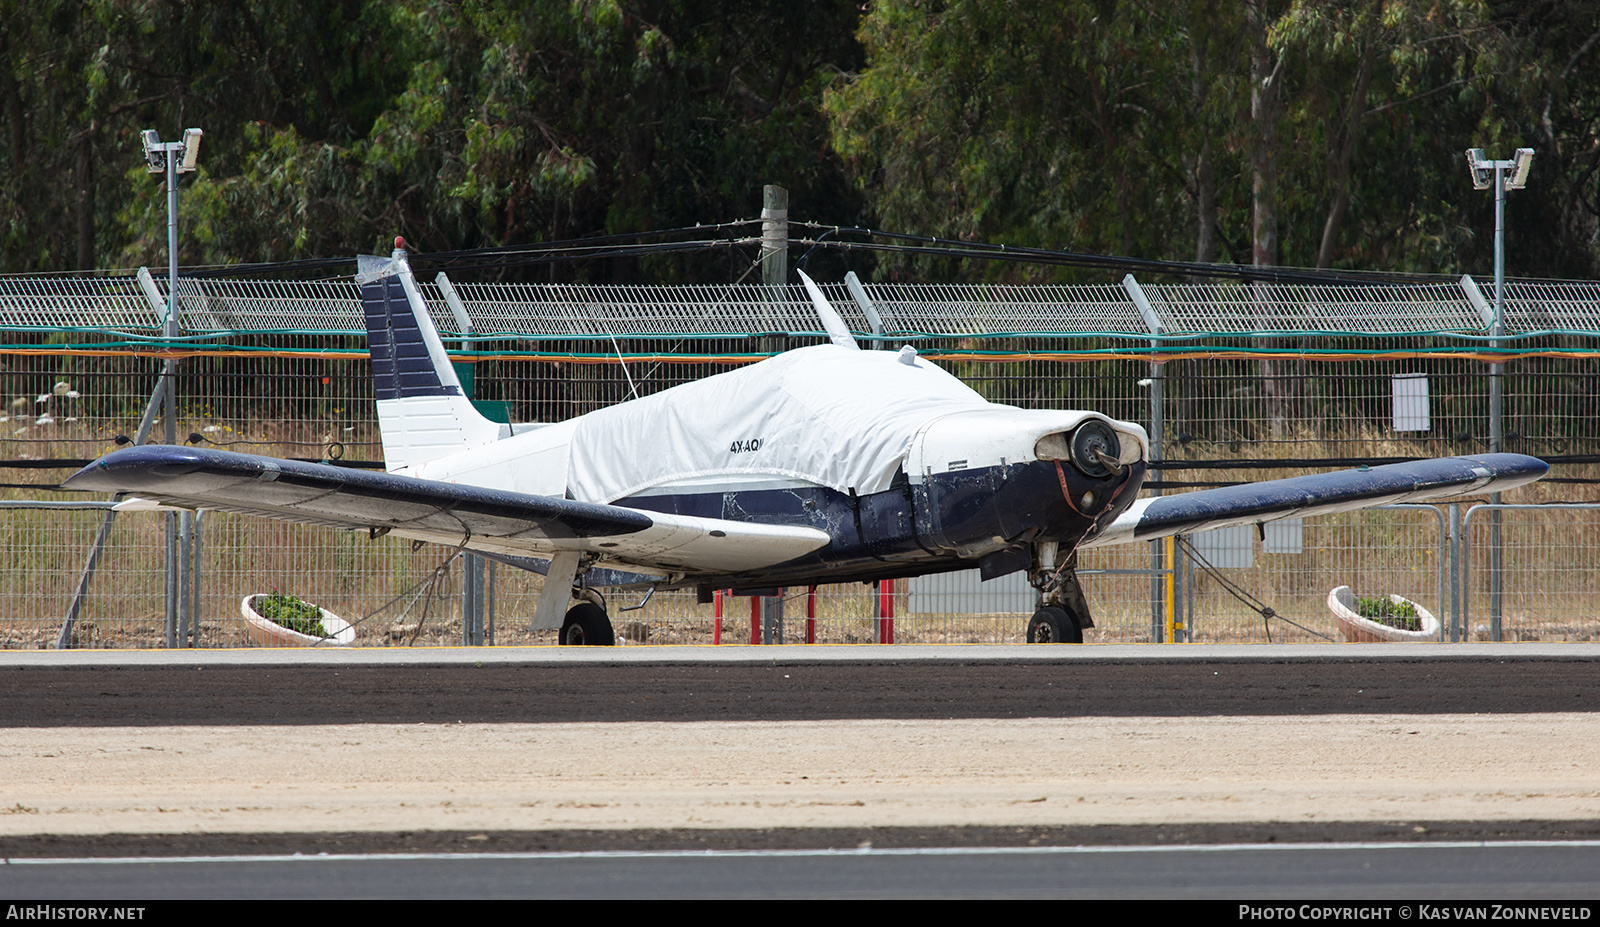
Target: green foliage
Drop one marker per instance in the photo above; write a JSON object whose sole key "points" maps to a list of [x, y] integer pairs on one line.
{"points": [[290, 612], [1384, 610], [1025, 123], [330, 128], [333, 126], [1115, 127]]}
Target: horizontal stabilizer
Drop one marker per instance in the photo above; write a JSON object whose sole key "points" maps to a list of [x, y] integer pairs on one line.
{"points": [[1320, 494], [489, 520]]}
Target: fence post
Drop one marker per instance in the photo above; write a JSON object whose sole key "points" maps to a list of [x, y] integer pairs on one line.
{"points": [[1493, 317], [194, 577], [166, 394], [471, 600], [466, 600], [774, 236], [1456, 591], [766, 619], [1177, 630], [488, 598], [185, 556], [172, 581], [1158, 564]]}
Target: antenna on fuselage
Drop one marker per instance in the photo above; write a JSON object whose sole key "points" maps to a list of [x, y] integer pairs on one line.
{"points": [[832, 322]]}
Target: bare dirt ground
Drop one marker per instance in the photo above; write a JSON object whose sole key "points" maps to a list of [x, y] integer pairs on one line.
{"points": [[880, 773]]}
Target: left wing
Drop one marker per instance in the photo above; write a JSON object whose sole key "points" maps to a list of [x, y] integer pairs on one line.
{"points": [[512, 523], [1320, 494]]}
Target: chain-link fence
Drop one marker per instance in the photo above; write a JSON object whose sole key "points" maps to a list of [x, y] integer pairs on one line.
{"points": [[1246, 382]]}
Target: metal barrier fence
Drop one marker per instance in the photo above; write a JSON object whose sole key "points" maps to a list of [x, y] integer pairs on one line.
{"points": [[1235, 383], [382, 586], [1548, 549]]}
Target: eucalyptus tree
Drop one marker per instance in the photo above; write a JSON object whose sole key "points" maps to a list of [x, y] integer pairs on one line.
{"points": [[551, 121], [1038, 124]]}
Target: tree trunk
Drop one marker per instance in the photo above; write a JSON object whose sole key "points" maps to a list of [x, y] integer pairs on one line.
{"points": [[1341, 149], [84, 177], [1266, 101], [1205, 183], [1205, 189]]}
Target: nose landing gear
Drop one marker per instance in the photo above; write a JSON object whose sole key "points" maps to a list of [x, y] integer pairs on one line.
{"points": [[1054, 625], [1063, 611]]}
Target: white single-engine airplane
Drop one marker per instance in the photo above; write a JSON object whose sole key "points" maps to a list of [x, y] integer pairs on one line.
{"points": [[825, 464]]}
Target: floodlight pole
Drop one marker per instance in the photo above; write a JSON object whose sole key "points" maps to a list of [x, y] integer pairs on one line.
{"points": [[182, 624], [1497, 405], [176, 527]]}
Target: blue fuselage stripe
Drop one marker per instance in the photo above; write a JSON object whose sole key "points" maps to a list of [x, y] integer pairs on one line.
{"points": [[909, 530]]}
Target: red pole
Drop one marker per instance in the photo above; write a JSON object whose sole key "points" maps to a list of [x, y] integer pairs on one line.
{"points": [[811, 615], [886, 611], [716, 629], [755, 619]]}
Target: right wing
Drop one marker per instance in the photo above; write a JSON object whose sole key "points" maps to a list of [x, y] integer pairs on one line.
{"points": [[1319, 494], [493, 520]]}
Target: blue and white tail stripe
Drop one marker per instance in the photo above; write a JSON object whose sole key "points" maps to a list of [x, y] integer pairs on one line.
{"points": [[422, 411], [401, 365]]}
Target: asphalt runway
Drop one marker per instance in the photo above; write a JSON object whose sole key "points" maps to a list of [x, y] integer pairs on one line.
{"points": [[502, 691], [1550, 874]]}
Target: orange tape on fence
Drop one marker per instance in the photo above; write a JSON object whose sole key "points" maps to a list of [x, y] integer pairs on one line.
{"points": [[1486, 357]]}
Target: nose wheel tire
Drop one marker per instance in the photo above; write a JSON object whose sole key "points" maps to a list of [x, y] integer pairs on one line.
{"points": [[586, 624], [1052, 625]]}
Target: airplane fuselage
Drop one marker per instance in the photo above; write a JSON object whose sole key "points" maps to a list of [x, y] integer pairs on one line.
{"points": [[987, 517], [899, 465]]}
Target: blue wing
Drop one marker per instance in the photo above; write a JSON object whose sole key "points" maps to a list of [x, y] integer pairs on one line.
{"points": [[491, 520], [1323, 493]]}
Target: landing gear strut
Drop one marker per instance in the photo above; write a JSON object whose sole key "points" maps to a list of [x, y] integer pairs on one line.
{"points": [[587, 624], [1063, 611]]}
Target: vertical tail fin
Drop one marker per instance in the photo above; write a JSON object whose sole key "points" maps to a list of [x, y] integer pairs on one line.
{"points": [[422, 412]]}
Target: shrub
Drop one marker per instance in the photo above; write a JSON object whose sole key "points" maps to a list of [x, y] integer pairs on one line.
{"points": [[1384, 610], [292, 613]]}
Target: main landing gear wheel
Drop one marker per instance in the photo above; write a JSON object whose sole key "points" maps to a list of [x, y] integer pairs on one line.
{"points": [[1052, 625], [587, 624]]}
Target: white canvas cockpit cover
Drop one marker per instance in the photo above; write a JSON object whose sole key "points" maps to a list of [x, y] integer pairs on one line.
{"points": [[825, 415]]}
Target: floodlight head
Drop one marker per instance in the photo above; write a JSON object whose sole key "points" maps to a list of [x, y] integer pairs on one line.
{"points": [[191, 150], [153, 153], [1481, 169], [1520, 165]]}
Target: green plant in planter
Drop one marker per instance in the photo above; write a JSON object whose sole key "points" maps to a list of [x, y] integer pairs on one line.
{"points": [[290, 612], [1383, 610]]}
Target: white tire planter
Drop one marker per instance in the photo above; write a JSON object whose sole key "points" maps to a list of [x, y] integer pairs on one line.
{"points": [[269, 634], [1342, 602]]}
